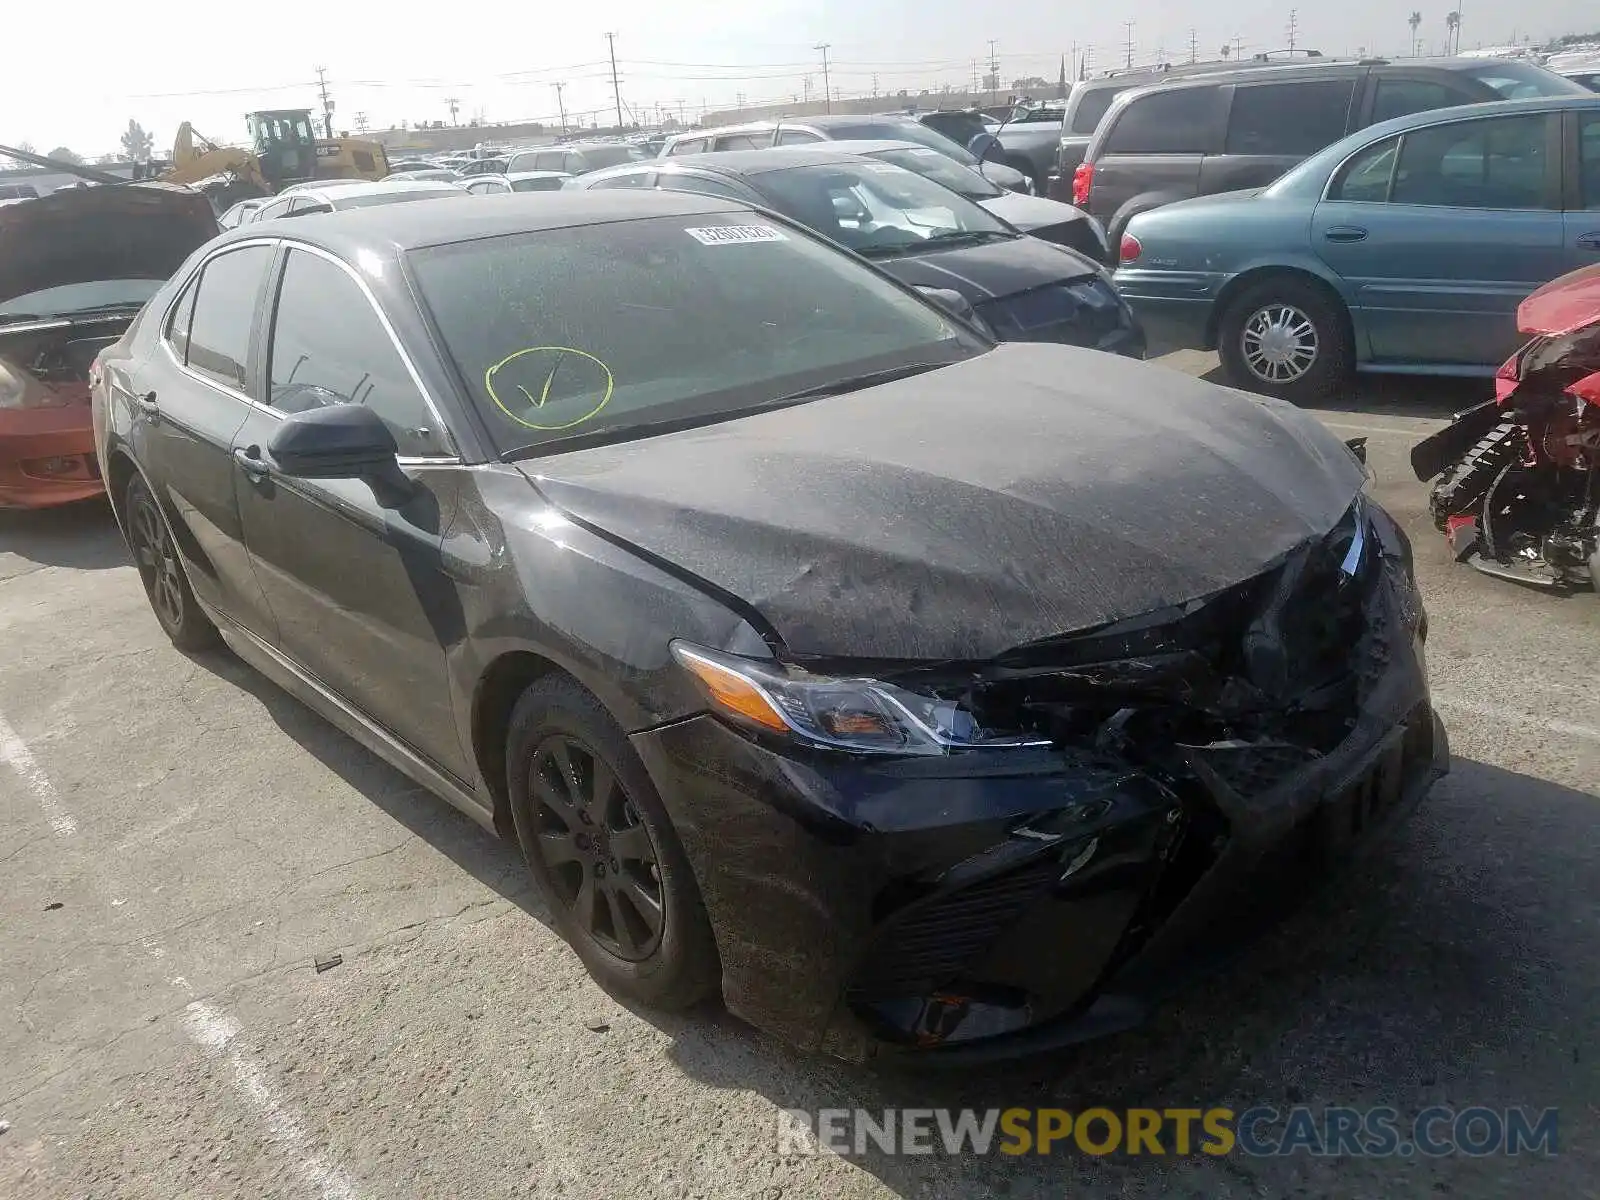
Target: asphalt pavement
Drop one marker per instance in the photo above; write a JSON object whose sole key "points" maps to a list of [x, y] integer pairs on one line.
{"points": [[181, 844]]}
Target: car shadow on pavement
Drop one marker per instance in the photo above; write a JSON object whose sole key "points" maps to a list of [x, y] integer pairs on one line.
{"points": [[1449, 966], [82, 536], [491, 860]]}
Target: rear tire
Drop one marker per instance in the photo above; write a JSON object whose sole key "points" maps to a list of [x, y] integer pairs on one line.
{"points": [[1287, 338], [161, 571], [603, 852]]}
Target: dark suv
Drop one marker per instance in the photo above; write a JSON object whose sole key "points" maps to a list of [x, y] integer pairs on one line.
{"points": [[1198, 135]]}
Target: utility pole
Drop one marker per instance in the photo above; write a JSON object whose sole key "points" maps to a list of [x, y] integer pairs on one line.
{"points": [[1294, 28], [561, 104], [874, 85], [827, 91], [455, 106], [1127, 44], [1194, 44], [327, 104], [1238, 48], [616, 88], [361, 122], [994, 72]]}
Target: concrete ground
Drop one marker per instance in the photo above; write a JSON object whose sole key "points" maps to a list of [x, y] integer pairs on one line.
{"points": [[180, 841]]}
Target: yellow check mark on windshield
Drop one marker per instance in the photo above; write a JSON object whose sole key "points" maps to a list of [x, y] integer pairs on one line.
{"points": [[544, 394]]}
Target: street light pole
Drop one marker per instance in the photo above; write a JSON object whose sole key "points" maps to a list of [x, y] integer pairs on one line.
{"points": [[827, 91]]}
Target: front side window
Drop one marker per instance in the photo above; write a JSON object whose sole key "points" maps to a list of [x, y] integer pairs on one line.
{"points": [[1589, 159], [1288, 118], [328, 347], [879, 210], [726, 312], [1176, 122], [1495, 163], [224, 314], [555, 160]]}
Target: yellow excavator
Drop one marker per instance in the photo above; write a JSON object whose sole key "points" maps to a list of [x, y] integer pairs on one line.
{"points": [[284, 149]]}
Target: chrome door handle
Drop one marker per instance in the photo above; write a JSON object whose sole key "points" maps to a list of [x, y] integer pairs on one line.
{"points": [[250, 462], [1589, 241], [1345, 233], [147, 404]]}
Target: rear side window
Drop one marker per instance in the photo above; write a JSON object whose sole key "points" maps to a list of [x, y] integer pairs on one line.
{"points": [[1365, 178], [224, 312], [678, 181], [328, 347], [1400, 97], [744, 141], [178, 323], [689, 146], [1289, 118], [626, 179], [1086, 117], [796, 137], [1176, 122], [1497, 163]]}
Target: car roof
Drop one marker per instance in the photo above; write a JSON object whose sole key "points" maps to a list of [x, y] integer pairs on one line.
{"points": [[415, 226], [851, 146], [745, 162], [1250, 72], [1463, 112], [537, 175], [384, 187]]}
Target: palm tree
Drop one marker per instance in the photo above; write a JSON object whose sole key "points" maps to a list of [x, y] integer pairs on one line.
{"points": [[1226, 49], [1414, 21], [1452, 33]]}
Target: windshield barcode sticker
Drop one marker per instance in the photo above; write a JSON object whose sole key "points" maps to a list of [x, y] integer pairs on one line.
{"points": [[734, 235]]}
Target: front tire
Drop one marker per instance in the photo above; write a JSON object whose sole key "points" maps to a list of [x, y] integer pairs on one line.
{"points": [[165, 585], [603, 852], [1287, 338]]}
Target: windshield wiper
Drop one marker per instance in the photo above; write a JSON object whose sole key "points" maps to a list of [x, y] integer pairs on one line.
{"points": [[960, 237], [855, 383], [72, 314]]}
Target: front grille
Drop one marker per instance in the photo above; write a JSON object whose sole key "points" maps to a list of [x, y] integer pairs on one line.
{"points": [[930, 944]]}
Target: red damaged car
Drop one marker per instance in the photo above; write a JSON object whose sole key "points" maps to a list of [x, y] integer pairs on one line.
{"points": [[1519, 488], [75, 269]]}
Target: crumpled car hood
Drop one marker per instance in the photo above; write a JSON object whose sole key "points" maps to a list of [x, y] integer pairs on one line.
{"points": [[1563, 305], [985, 272], [1031, 491], [80, 235]]}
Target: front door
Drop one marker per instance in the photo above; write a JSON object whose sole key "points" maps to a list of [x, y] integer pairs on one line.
{"points": [[200, 391], [1583, 194], [355, 579], [1438, 249]]}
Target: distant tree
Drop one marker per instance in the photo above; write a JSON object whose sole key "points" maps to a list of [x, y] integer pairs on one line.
{"points": [[136, 143], [62, 154], [1414, 20], [1452, 32], [1227, 50]]}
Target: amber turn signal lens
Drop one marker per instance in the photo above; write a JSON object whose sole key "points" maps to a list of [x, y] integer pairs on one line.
{"points": [[734, 692]]}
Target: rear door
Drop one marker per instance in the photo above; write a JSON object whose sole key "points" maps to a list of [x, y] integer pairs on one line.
{"points": [[1582, 222], [1153, 151], [356, 583], [1273, 126], [201, 392], [1440, 234]]}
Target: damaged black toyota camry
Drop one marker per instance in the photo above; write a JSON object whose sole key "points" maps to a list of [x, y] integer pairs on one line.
{"points": [[913, 692]]}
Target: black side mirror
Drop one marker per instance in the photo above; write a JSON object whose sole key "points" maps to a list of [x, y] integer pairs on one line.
{"points": [[952, 301], [342, 441], [983, 146]]}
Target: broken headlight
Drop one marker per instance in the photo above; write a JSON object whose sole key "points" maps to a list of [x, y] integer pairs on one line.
{"points": [[866, 716]]}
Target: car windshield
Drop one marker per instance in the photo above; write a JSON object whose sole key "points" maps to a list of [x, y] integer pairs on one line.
{"points": [[72, 298], [902, 131], [1520, 81], [878, 209], [930, 164], [607, 332]]}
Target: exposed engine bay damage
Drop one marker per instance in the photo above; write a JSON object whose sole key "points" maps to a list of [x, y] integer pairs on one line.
{"points": [[1522, 502], [1267, 726], [49, 367]]}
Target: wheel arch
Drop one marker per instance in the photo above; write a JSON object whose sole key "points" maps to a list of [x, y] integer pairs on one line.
{"points": [[499, 688], [1253, 276]]}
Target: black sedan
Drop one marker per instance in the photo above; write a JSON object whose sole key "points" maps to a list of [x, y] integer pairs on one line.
{"points": [[913, 692], [917, 230]]}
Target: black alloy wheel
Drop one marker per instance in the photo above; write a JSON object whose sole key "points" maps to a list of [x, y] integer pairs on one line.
{"points": [[601, 847], [156, 557], [599, 854]]}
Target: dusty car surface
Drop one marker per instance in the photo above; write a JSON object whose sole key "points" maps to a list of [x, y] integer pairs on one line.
{"points": [[914, 692], [75, 267]]}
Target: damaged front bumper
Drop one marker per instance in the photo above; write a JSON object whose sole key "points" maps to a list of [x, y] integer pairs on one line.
{"points": [[47, 457], [995, 903]]}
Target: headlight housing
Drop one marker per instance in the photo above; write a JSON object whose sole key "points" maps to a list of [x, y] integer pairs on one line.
{"points": [[862, 716], [18, 389]]}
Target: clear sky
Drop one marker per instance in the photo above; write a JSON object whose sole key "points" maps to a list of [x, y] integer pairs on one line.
{"points": [[75, 73]]}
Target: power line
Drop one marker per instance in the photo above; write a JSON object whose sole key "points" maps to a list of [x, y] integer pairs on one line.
{"points": [[827, 94], [616, 88]]}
